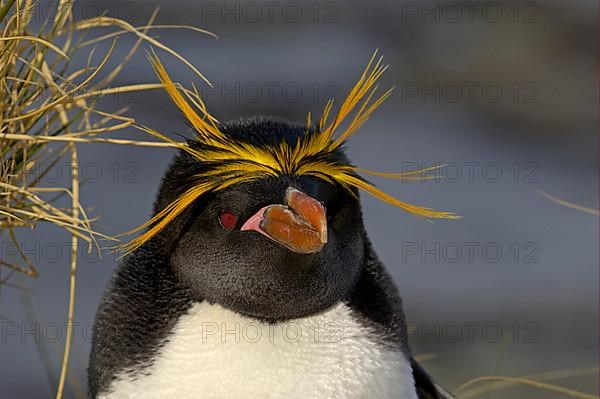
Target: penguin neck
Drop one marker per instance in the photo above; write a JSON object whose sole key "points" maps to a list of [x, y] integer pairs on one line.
{"points": [[376, 300]]}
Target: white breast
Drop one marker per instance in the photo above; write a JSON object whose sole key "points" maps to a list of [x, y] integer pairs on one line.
{"points": [[216, 353]]}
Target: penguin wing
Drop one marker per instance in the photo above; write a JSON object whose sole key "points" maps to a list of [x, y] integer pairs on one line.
{"points": [[426, 388]]}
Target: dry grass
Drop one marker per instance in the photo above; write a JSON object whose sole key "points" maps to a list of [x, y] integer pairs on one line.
{"points": [[475, 389], [569, 204], [47, 108]]}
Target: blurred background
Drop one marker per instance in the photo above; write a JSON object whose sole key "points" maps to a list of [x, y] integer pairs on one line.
{"points": [[503, 93]]}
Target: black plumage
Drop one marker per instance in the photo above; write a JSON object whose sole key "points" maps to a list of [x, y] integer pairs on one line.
{"points": [[193, 260]]}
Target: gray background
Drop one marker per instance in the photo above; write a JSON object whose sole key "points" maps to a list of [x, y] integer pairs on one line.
{"points": [[540, 135]]}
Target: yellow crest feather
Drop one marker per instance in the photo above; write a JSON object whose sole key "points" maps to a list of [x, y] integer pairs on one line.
{"points": [[240, 161]]}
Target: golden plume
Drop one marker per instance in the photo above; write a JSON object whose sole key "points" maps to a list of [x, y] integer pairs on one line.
{"points": [[235, 161]]}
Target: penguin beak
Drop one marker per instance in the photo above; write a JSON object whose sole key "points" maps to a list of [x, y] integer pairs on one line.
{"points": [[300, 225]]}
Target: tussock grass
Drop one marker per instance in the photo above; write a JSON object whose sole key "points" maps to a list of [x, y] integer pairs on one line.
{"points": [[569, 204], [482, 386], [47, 108]]}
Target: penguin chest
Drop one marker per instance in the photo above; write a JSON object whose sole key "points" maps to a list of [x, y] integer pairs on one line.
{"points": [[213, 352]]}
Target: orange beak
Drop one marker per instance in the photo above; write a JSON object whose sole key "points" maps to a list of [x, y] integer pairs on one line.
{"points": [[300, 225]]}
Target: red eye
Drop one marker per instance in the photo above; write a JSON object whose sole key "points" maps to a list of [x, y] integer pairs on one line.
{"points": [[228, 220]]}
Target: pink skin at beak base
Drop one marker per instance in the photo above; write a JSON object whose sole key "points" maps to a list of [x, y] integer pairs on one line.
{"points": [[253, 222]]}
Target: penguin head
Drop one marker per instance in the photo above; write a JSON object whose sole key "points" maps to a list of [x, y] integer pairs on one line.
{"points": [[263, 217], [272, 248]]}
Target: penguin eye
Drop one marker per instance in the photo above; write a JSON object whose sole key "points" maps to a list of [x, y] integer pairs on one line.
{"points": [[228, 220]]}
